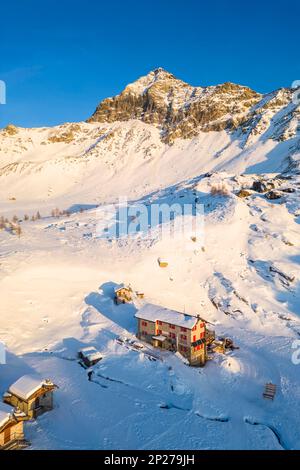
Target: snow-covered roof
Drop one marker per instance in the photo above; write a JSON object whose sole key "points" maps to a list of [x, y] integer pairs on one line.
{"points": [[91, 353], [153, 312], [162, 261], [26, 386], [6, 412], [121, 286]]}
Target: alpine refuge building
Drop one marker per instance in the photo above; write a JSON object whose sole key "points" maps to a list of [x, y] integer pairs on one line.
{"points": [[172, 330], [11, 428], [31, 395]]}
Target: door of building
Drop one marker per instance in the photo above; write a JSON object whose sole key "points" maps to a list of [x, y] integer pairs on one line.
{"points": [[7, 435]]}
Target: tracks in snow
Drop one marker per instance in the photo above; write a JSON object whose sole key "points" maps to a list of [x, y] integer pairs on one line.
{"points": [[271, 428]]}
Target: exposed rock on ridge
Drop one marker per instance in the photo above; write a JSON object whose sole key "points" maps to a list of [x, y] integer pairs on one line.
{"points": [[179, 109]]}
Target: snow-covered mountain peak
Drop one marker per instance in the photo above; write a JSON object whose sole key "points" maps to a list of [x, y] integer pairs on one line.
{"points": [[177, 108], [155, 75], [158, 125], [148, 80]]}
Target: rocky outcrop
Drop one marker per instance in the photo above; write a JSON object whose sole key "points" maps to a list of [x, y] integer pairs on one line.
{"points": [[262, 186], [178, 109], [66, 134], [10, 129], [273, 195], [181, 111], [244, 193]]}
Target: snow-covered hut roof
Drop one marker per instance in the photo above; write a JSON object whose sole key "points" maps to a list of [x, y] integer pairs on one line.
{"points": [[6, 413], [121, 286], [153, 312], [27, 385], [91, 353]]}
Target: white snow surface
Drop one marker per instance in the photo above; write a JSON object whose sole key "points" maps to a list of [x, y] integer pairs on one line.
{"points": [[57, 285]]}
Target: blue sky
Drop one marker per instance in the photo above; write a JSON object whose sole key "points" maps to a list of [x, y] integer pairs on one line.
{"points": [[60, 58]]}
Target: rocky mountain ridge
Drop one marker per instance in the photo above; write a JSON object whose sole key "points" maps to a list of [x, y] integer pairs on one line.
{"points": [[158, 125], [182, 111]]}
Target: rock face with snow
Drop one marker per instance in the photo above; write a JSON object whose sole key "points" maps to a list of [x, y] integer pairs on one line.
{"points": [[158, 124], [179, 109]]}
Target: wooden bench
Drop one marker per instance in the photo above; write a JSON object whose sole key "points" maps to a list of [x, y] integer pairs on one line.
{"points": [[270, 391]]}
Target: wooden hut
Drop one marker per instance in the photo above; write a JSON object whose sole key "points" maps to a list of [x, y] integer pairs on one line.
{"points": [[123, 294], [11, 428], [31, 395], [89, 356], [270, 391], [140, 294], [163, 263]]}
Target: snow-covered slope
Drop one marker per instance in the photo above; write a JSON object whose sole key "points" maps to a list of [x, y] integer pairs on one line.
{"points": [[56, 290], [57, 278]]}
